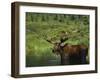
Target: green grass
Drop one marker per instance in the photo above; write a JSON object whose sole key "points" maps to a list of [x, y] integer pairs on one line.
{"points": [[39, 52]]}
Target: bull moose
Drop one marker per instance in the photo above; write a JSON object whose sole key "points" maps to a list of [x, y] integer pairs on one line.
{"points": [[70, 54]]}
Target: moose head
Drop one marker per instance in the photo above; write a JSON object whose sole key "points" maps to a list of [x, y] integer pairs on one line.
{"points": [[56, 45]]}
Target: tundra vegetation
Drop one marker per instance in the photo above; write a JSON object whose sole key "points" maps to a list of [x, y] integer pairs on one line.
{"points": [[43, 26]]}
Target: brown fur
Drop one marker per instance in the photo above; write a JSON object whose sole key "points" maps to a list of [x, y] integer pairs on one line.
{"points": [[73, 49]]}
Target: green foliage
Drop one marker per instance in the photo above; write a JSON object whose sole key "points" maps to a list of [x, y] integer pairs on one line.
{"points": [[41, 26]]}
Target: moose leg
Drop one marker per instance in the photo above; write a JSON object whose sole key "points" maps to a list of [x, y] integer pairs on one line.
{"points": [[75, 59], [64, 59], [83, 56]]}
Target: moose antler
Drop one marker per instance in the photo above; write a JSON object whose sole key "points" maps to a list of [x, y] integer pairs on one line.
{"points": [[63, 36], [50, 40]]}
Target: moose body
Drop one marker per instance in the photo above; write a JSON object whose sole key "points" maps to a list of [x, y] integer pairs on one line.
{"points": [[71, 54]]}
